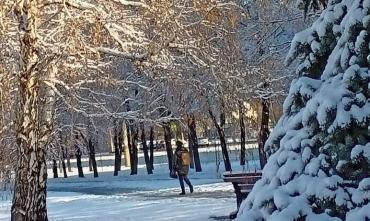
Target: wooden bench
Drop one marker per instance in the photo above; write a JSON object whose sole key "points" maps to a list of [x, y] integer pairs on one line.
{"points": [[243, 183]]}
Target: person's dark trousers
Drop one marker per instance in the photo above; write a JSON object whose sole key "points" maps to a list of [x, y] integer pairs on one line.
{"points": [[187, 181]]}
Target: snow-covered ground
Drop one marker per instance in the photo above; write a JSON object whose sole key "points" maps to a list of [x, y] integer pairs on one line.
{"points": [[140, 197]]}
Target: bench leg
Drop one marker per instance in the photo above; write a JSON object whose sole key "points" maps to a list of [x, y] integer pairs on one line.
{"points": [[239, 199], [239, 195]]}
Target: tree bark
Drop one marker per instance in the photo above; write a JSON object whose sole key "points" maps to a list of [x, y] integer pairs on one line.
{"points": [[117, 150], [29, 200], [60, 165], [55, 169], [129, 142], [69, 166], [145, 151], [134, 157], [79, 163], [190, 148], [167, 140], [194, 141], [62, 157], [67, 154], [90, 164], [264, 132], [221, 134], [242, 135], [111, 139], [78, 154], [92, 157], [126, 144], [120, 144], [64, 169], [151, 148]]}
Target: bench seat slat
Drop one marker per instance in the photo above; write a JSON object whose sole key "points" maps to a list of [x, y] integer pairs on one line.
{"points": [[245, 191], [245, 186], [228, 174], [250, 180]]}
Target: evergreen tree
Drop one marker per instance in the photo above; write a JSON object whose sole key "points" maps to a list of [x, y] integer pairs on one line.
{"points": [[319, 152]]}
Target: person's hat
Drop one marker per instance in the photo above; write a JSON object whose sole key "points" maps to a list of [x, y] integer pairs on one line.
{"points": [[178, 143]]}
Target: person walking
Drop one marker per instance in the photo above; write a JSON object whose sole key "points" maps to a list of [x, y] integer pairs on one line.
{"points": [[181, 166]]}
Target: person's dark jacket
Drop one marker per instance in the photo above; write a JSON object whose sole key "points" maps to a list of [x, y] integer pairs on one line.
{"points": [[179, 168]]}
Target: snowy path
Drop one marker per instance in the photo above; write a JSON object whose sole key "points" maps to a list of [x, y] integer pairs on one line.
{"points": [[137, 198], [208, 200]]}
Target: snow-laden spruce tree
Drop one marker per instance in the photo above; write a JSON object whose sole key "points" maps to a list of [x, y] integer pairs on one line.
{"points": [[318, 169]]}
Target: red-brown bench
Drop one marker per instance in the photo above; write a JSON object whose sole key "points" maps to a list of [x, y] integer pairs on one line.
{"points": [[243, 183]]}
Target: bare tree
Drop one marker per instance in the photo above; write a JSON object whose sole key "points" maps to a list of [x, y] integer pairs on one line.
{"points": [[43, 28]]}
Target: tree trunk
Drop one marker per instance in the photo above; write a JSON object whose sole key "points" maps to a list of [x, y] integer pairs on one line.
{"points": [[117, 155], [167, 140], [145, 151], [151, 148], [90, 164], [111, 139], [79, 163], [29, 200], [134, 157], [62, 157], [120, 143], [194, 141], [190, 149], [242, 135], [78, 155], [126, 143], [55, 169], [92, 157], [129, 128], [64, 169], [65, 152], [264, 132], [221, 134], [60, 166], [69, 166]]}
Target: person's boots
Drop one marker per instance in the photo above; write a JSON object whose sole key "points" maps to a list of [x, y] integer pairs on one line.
{"points": [[182, 193], [191, 189]]}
